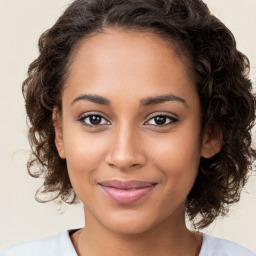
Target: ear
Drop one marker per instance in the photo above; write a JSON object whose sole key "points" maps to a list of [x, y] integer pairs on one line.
{"points": [[57, 123], [211, 141]]}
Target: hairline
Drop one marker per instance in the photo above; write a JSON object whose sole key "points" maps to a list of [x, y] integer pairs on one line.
{"points": [[180, 50]]}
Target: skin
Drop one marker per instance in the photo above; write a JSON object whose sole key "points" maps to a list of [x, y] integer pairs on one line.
{"points": [[127, 68]]}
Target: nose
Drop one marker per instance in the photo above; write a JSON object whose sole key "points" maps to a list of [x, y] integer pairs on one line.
{"points": [[125, 151]]}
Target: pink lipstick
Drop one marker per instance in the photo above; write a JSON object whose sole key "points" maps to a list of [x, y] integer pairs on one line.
{"points": [[126, 192]]}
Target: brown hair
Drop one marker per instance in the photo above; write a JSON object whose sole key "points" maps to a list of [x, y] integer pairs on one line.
{"points": [[222, 80]]}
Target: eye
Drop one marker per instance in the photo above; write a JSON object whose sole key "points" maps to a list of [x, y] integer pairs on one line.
{"points": [[93, 120], [162, 120]]}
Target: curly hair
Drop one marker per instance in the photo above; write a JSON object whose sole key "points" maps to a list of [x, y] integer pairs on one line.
{"points": [[223, 85]]}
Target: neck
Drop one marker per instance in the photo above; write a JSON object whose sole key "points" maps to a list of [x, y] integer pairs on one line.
{"points": [[171, 237]]}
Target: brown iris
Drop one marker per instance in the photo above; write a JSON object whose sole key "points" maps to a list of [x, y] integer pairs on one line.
{"points": [[95, 120], [160, 120]]}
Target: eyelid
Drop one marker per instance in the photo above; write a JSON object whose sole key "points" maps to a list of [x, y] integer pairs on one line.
{"points": [[93, 113], [167, 114], [173, 118]]}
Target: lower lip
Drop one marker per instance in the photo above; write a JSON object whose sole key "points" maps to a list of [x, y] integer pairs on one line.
{"points": [[127, 196]]}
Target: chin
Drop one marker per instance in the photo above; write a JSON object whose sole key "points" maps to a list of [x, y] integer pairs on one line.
{"points": [[129, 224]]}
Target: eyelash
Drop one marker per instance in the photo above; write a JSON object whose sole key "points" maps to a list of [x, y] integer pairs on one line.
{"points": [[172, 120], [83, 118]]}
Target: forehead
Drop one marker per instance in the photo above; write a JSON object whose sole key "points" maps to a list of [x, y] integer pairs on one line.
{"points": [[128, 60]]}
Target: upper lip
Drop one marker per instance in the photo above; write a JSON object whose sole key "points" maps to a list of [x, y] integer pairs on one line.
{"points": [[131, 184]]}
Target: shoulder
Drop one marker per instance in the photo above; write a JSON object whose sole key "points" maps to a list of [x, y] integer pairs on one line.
{"points": [[59, 244], [213, 246]]}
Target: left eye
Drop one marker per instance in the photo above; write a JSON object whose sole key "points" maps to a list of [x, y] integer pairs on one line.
{"points": [[92, 120], [161, 120]]}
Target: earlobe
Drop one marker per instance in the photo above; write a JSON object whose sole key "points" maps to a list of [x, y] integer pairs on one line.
{"points": [[211, 141], [56, 118]]}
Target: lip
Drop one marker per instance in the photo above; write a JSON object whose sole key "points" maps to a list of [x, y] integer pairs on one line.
{"points": [[126, 192]]}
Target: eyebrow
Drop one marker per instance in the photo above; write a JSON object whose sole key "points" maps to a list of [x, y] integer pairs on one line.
{"points": [[161, 99], [93, 98], [144, 102]]}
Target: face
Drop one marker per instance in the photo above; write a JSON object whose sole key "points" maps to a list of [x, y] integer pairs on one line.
{"points": [[130, 112]]}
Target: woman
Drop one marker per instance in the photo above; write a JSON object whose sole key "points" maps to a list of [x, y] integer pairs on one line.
{"points": [[142, 110]]}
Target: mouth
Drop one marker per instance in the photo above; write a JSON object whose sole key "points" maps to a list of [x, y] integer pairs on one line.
{"points": [[126, 192]]}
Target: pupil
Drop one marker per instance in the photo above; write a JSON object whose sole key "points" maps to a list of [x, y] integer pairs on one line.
{"points": [[95, 120], [160, 120]]}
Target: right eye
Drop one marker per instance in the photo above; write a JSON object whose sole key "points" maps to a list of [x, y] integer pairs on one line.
{"points": [[93, 120]]}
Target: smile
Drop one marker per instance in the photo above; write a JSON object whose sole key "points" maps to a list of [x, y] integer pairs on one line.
{"points": [[126, 192]]}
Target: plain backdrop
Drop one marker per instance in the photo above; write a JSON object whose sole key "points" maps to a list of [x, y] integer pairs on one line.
{"points": [[21, 217]]}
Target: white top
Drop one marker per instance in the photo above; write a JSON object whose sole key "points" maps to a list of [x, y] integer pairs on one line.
{"points": [[61, 245]]}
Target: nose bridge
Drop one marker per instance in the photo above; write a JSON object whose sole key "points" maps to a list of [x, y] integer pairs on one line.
{"points": [[125, 150]]}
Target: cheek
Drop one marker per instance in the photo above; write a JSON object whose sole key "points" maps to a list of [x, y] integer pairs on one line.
{"points": [[178, 162], [83, 154], [177, 157], [81, 147]]}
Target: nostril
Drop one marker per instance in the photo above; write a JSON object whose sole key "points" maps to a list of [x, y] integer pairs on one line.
{"points": [[129, 166]]}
